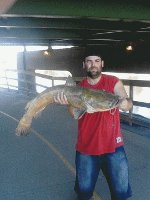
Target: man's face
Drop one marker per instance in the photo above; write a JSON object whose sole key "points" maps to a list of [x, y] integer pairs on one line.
{"points": [[93, 66]]}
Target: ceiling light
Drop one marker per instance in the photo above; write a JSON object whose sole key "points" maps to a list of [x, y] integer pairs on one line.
{"points": [[129, 48], [49, 51]]}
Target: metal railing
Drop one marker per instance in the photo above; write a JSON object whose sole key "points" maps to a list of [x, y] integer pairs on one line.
{"points": [[130, 118], [26, 84]]}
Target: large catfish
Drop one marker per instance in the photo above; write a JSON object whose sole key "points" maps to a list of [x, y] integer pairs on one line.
{"points": [[81, 98]]}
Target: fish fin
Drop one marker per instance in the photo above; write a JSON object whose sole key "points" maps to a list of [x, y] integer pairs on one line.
{"points": [[30, 104], [70, 81], [23, 126], [38, 114], [78, 113], [90, 109]]}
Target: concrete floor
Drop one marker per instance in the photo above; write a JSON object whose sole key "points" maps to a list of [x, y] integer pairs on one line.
{"points": [[41, 165]]}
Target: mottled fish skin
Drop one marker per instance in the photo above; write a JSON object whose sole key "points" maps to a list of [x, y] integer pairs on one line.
{"points": [[83, 99]]}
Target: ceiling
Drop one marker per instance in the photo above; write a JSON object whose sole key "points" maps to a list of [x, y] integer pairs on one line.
{"points": [[79, 23]]}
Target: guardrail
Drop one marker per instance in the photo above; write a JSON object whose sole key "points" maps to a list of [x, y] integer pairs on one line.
{"points": [[26, 81], [130, 117]]}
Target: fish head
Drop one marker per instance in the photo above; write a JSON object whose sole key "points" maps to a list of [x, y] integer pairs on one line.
{"points": [[99, 100]]}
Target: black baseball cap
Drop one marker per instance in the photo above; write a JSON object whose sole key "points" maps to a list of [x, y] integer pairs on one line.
{"points": [[92, 51]]}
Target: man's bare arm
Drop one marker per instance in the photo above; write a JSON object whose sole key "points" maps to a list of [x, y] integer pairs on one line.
{"points": [[126, 103]]}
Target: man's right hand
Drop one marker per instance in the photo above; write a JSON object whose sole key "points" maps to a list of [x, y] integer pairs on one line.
{"points": [[61, 99]]}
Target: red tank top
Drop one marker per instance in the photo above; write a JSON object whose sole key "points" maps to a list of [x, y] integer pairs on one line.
{"points": [[99, 133]]}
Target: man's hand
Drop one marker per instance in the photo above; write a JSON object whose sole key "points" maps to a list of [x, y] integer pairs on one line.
{"points": [[61, 99], [125, 104]]}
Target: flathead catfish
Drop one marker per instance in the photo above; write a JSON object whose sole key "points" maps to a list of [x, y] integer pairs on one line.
{"points": [[81, 98]]}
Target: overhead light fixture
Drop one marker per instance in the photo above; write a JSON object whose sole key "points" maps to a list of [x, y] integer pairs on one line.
{"points": [[129, 47], [49, 51], [46, 52]]}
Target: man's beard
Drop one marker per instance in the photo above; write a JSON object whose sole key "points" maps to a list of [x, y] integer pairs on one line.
{"points": [[92, 74]]}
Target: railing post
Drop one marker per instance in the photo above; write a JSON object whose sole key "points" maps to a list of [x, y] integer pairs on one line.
{"points": [[6, 80], [131, 97], [52, 81]]}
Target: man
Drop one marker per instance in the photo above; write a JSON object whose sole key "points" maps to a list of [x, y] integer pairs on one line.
{"points": [[100, 143]]}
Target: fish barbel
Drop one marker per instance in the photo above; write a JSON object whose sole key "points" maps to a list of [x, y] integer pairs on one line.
{"points": [[81, 98]]}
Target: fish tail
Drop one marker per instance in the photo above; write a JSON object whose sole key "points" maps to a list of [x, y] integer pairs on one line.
{"points": [[33, 110], [23, 126]]}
